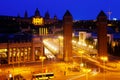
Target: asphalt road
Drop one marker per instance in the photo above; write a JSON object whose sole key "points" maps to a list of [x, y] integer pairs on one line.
{"points": [[58, 68]]}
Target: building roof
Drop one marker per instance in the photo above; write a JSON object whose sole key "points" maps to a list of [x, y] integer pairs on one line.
{"points": [[101, 13], [102, 16], [67, 13]]}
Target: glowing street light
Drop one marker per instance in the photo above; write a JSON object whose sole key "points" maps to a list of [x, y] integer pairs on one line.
{"points": [[86, 70], [60, 37], [82, 65], [10, 75], [104, 59], [81, 53], [90, 46]]}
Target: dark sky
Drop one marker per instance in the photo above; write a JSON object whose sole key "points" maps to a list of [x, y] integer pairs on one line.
{"points": [[80, 9]]}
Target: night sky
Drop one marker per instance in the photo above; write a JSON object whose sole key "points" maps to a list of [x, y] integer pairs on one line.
{"points": [[80, 9]]}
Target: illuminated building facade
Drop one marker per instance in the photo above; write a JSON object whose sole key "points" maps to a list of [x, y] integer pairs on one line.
{"points": [[25, 50], [37, 20], [40, 25], [21, 50]]}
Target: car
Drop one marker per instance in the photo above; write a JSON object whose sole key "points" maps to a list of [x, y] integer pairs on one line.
{"points": [[18, 77]]}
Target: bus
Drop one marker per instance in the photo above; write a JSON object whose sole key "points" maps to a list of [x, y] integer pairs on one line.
{"points": [[42, 76]]}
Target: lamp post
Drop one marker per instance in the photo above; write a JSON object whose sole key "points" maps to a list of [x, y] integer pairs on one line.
{"points": [[59, 45], [81, 53], [42, 58], [104, 59], [13, 65], [60, 38], [86, 70]]}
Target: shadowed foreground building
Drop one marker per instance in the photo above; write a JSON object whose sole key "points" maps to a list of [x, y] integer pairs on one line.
{"points": [[102, 34]]}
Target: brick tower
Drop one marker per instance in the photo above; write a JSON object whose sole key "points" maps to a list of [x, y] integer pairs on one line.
{"points": [[67, 34], [102, 34]]}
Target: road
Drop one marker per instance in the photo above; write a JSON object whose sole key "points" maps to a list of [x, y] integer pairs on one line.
{"points": [[58, 68]]}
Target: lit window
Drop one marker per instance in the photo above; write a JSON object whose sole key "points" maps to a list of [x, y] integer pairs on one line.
{"points": [[37, 21]]}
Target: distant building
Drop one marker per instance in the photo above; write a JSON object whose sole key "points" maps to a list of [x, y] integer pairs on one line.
{"points": [[16, 46]]}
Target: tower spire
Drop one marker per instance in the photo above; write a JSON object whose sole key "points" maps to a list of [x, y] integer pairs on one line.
{"points": [[67, 28], [102, 34]]}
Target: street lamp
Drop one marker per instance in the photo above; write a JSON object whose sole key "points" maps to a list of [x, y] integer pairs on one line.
{"points": [[60, 38], [13, 66], [81, 53], [10, 76], [104, 59], [42, 58], [86, 70]]}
